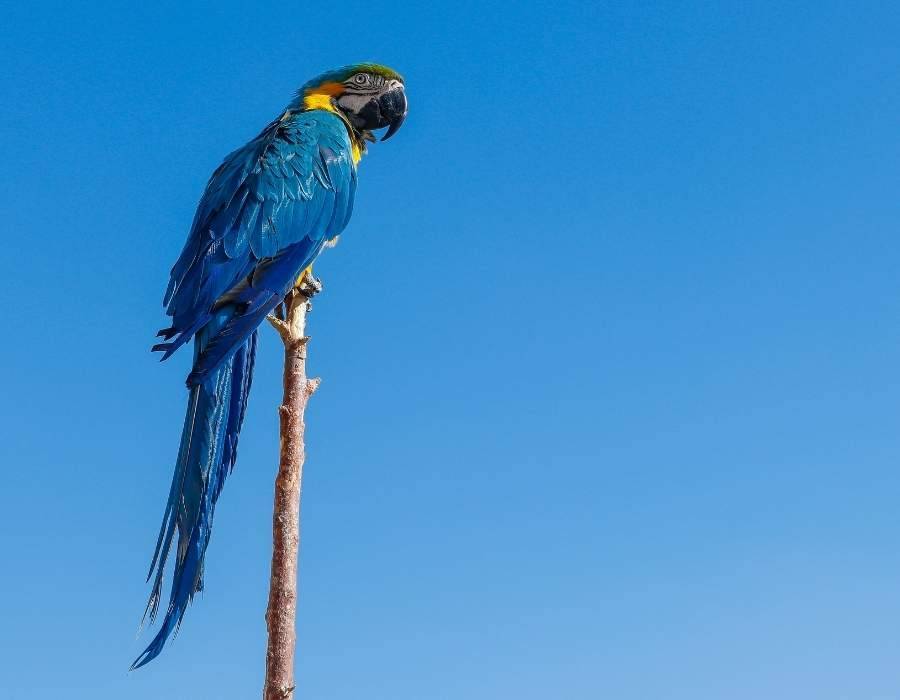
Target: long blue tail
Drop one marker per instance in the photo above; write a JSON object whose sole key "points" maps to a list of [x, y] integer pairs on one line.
{"points": [[208, 449]]}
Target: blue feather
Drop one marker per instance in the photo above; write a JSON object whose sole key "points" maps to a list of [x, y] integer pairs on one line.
{"points": [[197, 482], [263, 218]]}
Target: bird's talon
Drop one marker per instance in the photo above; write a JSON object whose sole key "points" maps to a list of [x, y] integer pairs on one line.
{"points": [[309, 285]]}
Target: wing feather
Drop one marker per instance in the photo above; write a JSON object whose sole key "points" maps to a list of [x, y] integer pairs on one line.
{"points": [[290, 188]]}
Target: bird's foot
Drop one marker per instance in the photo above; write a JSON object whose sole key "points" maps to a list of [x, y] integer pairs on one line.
{"points": [[307, 284]]}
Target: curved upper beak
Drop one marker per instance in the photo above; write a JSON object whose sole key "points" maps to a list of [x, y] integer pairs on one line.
{"points": [[393, 107]]}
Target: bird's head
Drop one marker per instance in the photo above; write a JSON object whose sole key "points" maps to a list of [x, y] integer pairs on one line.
{"points": [[368, 95]]}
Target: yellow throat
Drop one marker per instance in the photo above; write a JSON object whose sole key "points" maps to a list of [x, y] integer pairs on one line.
{"points": [[322, 99]]}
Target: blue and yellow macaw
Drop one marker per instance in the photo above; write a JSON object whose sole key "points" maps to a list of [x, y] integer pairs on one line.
{"points": [[266, 214]]}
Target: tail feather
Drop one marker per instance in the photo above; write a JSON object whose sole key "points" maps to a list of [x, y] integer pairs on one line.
{"points": [[205, 458]]}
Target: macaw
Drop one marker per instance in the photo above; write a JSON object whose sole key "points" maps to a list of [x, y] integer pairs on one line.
{"points": [[267, 212]]}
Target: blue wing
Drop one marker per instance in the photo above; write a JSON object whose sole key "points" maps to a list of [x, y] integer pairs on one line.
{"points": [[264, 217]]}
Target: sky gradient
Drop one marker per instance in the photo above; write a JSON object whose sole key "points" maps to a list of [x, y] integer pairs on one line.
{"points": [[610, 402]]}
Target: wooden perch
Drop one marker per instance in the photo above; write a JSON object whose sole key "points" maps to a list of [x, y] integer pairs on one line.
{"points": [[281, 614]]}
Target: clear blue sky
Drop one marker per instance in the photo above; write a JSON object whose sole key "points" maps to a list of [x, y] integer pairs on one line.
{"points": [[610, 353]]}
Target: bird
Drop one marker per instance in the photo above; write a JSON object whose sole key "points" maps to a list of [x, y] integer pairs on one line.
{"points": [[267, 212]]}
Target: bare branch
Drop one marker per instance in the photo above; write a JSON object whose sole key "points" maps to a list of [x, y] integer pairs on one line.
{"points": [[281, 614]]}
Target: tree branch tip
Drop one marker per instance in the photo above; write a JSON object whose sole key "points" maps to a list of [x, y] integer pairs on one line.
{"points": [[313, 384]]}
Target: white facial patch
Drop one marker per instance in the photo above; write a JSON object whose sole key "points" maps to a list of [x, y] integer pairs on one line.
{"points": [[351, 102]]}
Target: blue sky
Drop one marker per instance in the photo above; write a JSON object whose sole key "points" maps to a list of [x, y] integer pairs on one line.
{"points": [[610, 351]]}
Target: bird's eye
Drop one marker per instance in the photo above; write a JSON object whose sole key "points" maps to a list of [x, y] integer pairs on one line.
{"points": [[361, 78]]}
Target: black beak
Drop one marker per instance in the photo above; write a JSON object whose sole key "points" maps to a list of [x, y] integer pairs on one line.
{"points": [[386, 110], [393, 109]]}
